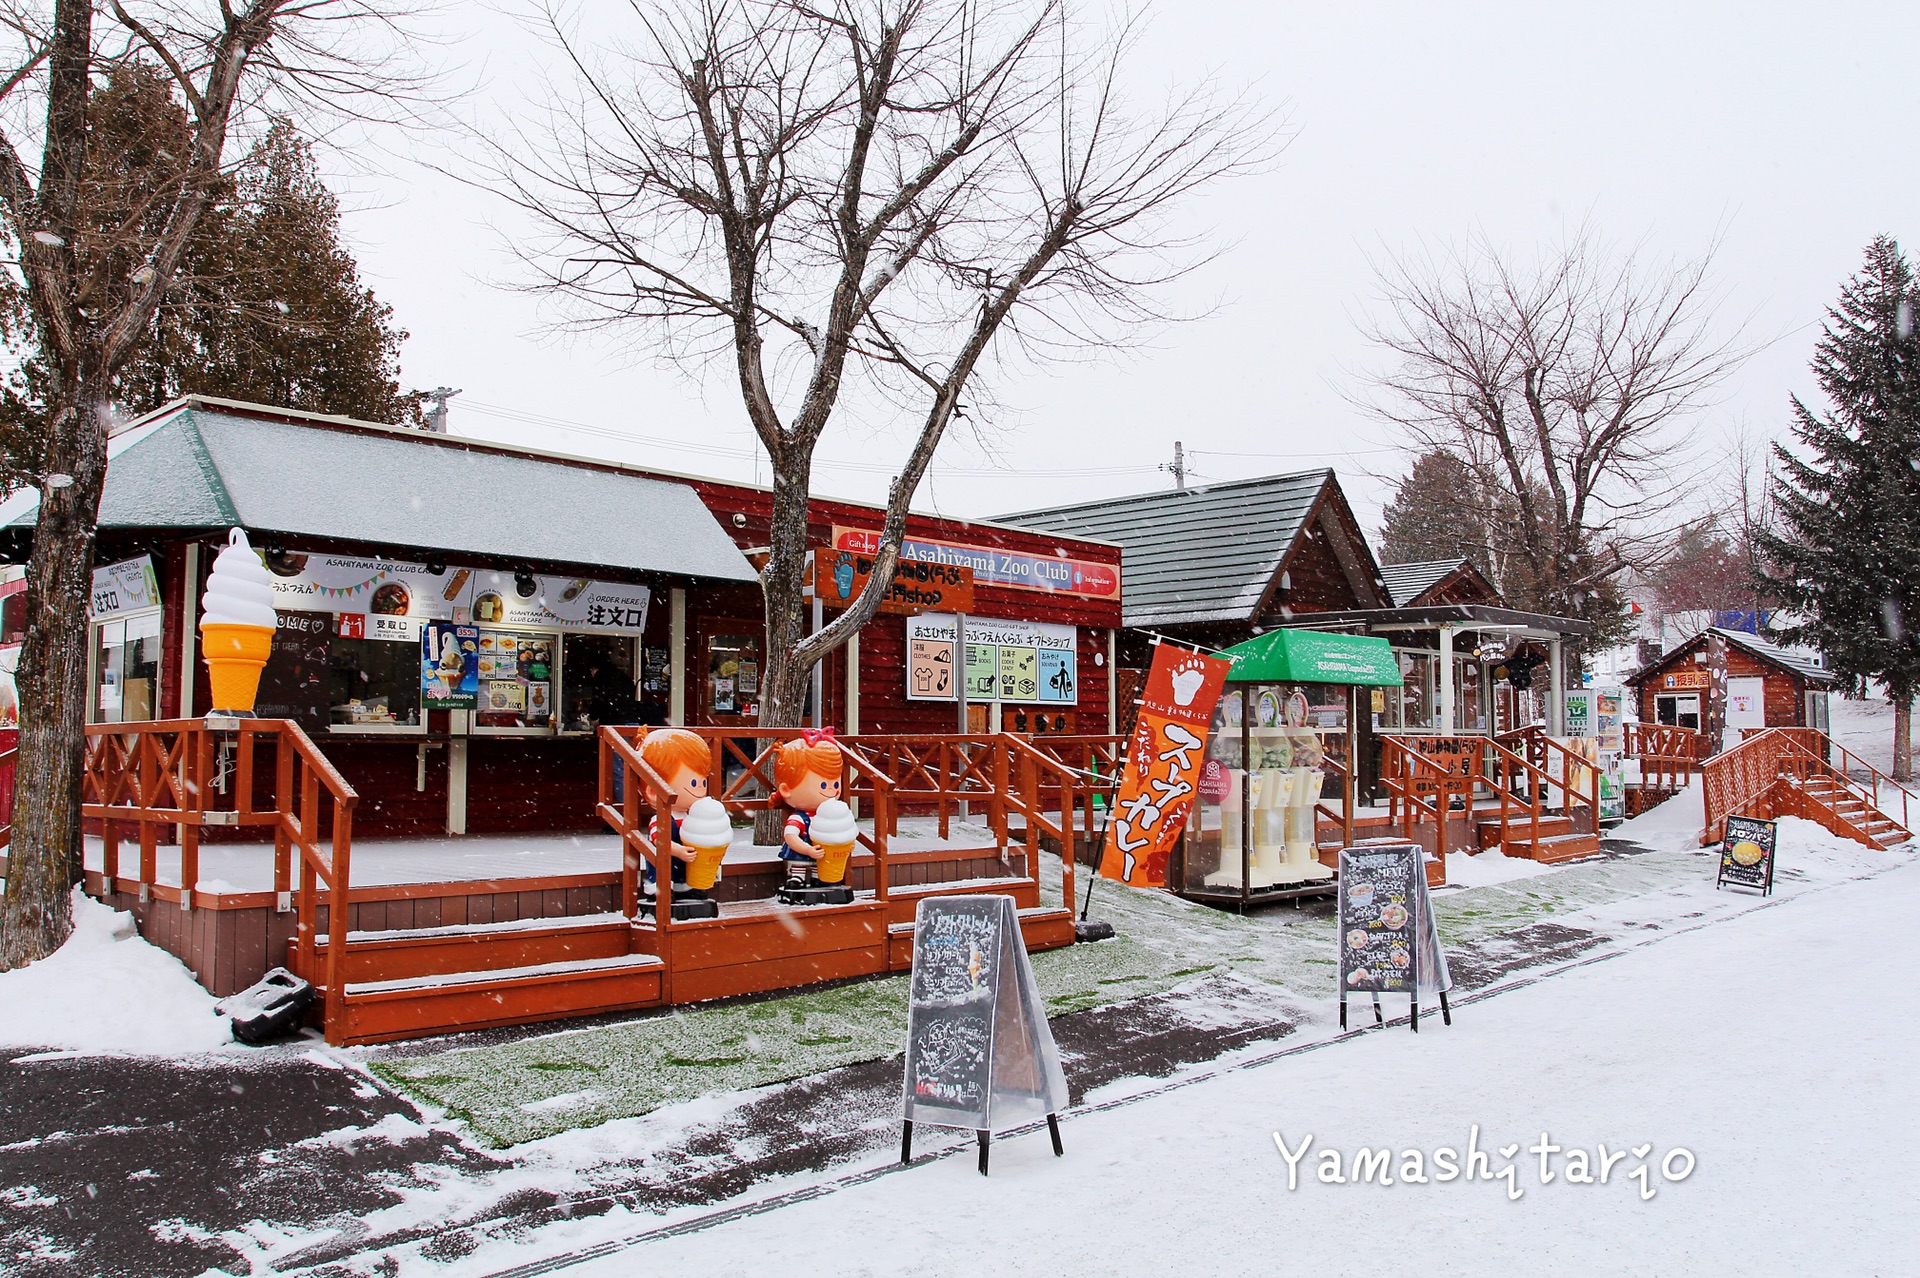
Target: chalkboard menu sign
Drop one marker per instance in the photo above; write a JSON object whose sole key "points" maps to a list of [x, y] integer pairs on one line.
{"points": [[296, 681], [1746, 854], [979, 1051], [1388, 938]]}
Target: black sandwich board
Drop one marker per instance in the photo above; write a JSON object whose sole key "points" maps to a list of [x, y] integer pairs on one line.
{"points": [[1388, 939], [979, 1051], [1746, 854]]}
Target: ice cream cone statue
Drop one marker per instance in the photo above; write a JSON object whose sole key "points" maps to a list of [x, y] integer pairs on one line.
{"points": [[807, 773], [237, 622], [708, 832], [701, 831], [834, 833]]}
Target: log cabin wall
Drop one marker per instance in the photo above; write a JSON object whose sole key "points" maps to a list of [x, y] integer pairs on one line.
{"points": [[1785, 698]]}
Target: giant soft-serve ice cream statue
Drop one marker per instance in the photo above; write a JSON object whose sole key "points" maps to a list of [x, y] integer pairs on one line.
{"points": [[236, 625]]}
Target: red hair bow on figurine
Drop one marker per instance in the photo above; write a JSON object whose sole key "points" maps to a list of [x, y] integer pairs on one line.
{"points": [[814, 736]]}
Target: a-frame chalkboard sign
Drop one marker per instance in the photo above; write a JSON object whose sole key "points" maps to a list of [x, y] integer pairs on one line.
{"points": [[1389, 939], [1746, 854], [979, 1051]]}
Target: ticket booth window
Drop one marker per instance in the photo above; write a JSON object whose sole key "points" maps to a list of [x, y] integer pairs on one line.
{"points": [[1678, 710], [731, 667], [126, 669]]}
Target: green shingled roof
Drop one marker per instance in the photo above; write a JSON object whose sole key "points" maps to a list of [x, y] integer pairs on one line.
{"points": [[1195, 555]]}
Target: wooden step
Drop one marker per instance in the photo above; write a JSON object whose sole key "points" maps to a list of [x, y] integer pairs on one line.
{"points": [[1560, 847], [1042, 927], [1488, 831], [380, 1011], [902, 902], [415, 953], [758, 946]]}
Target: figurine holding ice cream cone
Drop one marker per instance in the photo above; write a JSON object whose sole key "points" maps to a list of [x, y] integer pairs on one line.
{"points": [[701, 832], [818, 840], [237, 622]]}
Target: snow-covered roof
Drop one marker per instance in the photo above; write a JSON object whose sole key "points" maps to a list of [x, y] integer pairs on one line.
{"points": [[205, 466], [1795, 663], [1196, 555]]}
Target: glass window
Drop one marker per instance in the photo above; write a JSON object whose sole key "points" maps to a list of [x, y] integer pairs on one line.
{"points": [[1469, 712], [733, 675], [517, 678], [126, 665], [1420, 694], [601, 683], [373, 683]]}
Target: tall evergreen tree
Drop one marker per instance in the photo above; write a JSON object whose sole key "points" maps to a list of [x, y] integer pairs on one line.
{"points": [[1439, 511], [266, 305], [1846, 555]]}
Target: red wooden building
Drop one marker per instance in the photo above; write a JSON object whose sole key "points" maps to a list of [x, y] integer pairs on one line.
{"points": [[602, 592], [1767, 685]]}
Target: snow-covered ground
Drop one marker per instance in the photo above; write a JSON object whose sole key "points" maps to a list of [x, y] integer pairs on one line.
{"points": [[1864, 726], [1754, 1044], [107, 990]]}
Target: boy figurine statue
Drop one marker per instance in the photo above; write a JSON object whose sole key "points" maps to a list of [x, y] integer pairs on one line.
{"points": [[681, 758], [807, 773]]}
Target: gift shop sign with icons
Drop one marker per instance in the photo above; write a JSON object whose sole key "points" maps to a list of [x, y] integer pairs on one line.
{"points": [[1015, 661], [993, 567], [394, 597]]}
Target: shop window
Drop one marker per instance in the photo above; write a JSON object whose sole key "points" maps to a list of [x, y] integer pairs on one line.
{"points": [[731, 677], [13, 617], [126, 664], [601, 684], [1420, 692], [1469, 714], [517, 678], [373, 683]]}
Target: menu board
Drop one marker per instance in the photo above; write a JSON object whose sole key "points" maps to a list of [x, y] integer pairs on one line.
{"points": [[514, 672], [1019, 661], [1746, 854], [1388, 938], [979, 1050], [1378, 903]]}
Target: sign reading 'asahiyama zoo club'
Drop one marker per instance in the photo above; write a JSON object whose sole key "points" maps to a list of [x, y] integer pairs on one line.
{"points": [[994, 567]]}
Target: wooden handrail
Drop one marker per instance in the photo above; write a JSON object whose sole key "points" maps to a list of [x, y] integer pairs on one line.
{"points": [[1032, 764], [159, 774], [1802, 740]]}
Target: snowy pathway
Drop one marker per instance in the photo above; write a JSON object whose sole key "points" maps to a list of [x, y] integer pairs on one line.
{"points": [[1755, 1044]]}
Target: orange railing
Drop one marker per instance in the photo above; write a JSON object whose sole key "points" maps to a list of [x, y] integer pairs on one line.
{"points": [[1668, 755], [1418, 786], [161, 776], [645, 788], [1519, 777], [1736, 781]]}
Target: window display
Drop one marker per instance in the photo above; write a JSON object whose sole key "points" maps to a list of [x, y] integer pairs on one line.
{"points": [[601, 686], [733, 675], [126, 662], [326, 676], [517, 677]]}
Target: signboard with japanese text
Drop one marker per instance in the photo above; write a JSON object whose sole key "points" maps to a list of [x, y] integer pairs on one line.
{"points": [[449, 665], [1388, 937], [129, 586], [1746, 854], [840, 576], [1013, 661], [1163, 763], [1687, 679], [559, 603], [1050, 574], [390, 588]]}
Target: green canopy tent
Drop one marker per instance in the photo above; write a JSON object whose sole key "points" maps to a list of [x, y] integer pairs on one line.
{"points": [[1288, 713]]}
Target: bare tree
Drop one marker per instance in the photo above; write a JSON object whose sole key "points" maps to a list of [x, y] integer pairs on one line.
{"points": [[1563, 384], [96, 253], [860, 202]]}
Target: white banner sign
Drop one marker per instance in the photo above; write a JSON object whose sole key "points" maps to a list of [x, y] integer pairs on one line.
{"points": [[388, 590], [125, 587]]}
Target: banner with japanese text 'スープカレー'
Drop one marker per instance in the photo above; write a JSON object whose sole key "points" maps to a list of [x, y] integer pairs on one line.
{"points": [[1163, 764]]}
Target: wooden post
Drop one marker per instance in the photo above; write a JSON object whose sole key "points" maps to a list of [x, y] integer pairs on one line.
{"points": [[677, 657]]}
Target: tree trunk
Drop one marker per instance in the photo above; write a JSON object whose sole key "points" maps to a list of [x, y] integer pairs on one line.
{"points": [[44, 861], [1902, 737], [783, 682]]}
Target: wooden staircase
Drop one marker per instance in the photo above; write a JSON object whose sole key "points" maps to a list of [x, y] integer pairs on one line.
{"points": [[1554, 840], [412, 982], [1801, 772], [1523, 793]]}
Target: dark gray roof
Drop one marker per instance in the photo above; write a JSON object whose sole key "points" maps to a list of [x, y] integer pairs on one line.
{"points": [[210, 467], [1753, 645], [1407, 582], [1193, 555]]}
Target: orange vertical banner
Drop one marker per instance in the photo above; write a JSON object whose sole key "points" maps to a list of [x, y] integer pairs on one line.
{"points": [[1163, 764]]}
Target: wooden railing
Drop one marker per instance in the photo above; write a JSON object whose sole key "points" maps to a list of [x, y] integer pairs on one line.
{"points": [[865, 781], [160, 777], [1668, 755], [1418, 786], [941, 772], [1052, 797], [1736, 781], [1519, 776]]}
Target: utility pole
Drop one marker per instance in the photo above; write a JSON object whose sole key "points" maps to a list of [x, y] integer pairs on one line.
{"points": [[437, 412], [1178, 467]]}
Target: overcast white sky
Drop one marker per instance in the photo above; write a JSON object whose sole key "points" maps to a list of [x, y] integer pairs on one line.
{"points": [[1779, 128]]}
